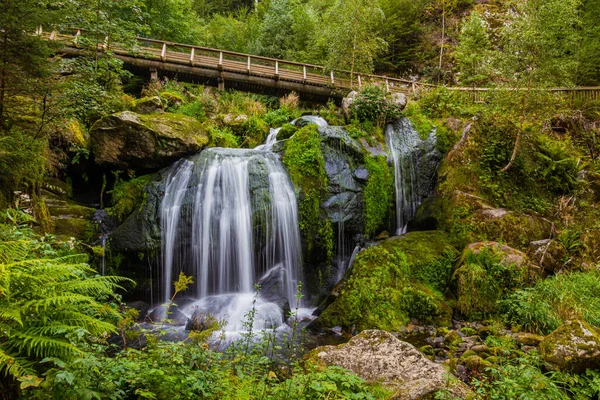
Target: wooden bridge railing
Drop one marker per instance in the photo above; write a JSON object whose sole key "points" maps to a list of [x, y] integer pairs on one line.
{"points": [[224, 60], [290, 71]]}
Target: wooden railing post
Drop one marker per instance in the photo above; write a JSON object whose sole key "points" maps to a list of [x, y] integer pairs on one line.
{"points": [[332, 79], [249, 63], [304, 70], [276, 68], [53, 35], [77, 36], [220, 59], [359, 82], [387, 85], [163, 53], [192, 55], [105, 44], [39, 31]]}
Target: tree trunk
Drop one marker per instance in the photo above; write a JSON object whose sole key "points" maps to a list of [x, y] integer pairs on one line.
{"points": [[443, 34]]}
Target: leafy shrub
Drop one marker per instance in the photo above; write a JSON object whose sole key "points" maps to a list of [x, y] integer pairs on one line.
{"points": [[545, 306], [223, 137], [371, 104], [49, 303], [277, 118], [558, 168]]}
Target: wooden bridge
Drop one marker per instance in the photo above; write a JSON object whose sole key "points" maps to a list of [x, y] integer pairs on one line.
{"points": [[231, 69], [223, 68]]}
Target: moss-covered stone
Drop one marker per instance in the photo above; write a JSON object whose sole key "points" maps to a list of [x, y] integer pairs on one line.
{"points": [[475, 363], [68, 218], [286, 131], [574, 346], [141, 142], [148, 105], [377, 356], [393, 282], [486, 271], [304, 161]]}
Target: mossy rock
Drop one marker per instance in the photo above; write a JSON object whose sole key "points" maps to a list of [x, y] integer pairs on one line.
{"points": [[486, 271], [172, 99], [476, 363], [469, 218], [81, 229], [379, 357], [287, 131], [57, 187], [393, 282], [146, 142], [574, 346], [148, 105]]}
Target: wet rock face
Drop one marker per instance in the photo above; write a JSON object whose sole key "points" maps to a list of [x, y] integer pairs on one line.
{"points": [[144, 142], [574, 346], [377, 356]]}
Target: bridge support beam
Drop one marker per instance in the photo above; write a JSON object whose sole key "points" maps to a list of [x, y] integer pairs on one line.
{"points": [[153, 74], [221, 84]]}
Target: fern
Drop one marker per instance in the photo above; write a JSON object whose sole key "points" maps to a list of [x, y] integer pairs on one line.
{"points": [[47, 305]]}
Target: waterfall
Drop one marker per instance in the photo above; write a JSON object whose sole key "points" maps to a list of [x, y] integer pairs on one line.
{"points": [[170, 213], [229, 217], [403, 142]]}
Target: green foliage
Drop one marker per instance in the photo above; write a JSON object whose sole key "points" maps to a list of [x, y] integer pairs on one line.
{"points": [[378, 193], [558, 168], [127, 196], [305, 163], [21, 161], [482, 279], [473, 51], [349, 38], [545, 306], [223, 137], [278, 117], [372, 104], [49, 303], [419, 120]]}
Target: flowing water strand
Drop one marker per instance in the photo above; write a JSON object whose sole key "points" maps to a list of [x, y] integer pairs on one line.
{"points": [[170, 212], [402, 141], [270, 142], [285, 245]]}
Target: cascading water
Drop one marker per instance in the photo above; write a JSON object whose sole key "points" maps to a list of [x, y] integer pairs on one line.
{"points": [[403, 141], [230, 217]]}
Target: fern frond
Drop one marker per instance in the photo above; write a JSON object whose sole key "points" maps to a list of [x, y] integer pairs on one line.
{"points": [[41, 346], [11, 314], [15, 366]]}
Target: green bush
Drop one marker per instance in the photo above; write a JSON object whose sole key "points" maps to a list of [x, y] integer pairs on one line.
{"points": [[277, 118], [558, 168], [371, 104], [543, 307]]}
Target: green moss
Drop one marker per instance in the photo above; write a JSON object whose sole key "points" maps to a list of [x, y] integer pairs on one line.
{"points": [[223, 137], [128, 196], [172, 99], [378, 193], [305, 163], [482, 279], [385, 289], [286, 131], [419, 120]]}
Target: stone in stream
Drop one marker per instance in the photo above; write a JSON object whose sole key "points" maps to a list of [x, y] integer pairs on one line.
{"points": [[272, 289], [377, 356]]}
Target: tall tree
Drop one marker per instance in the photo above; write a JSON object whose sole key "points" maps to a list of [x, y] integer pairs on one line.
{"points": [[402, 29], [538, 50], [24, 56], [351, 35], [473, 52], [589, 48]]}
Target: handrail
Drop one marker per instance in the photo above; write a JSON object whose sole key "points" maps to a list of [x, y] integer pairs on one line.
{"points": [[272, 60], [315, 79]]}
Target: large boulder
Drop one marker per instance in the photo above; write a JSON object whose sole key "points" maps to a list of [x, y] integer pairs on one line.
{"points": [[69, 218], [485, 271], [145, 142], [393, 282], [574, 346], [272, 288], [379, 357]]}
